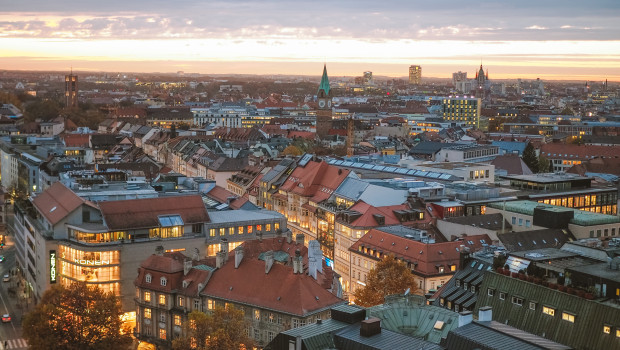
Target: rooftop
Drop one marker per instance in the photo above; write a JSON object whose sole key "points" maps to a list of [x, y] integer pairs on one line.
{"points": [[581, 217]]}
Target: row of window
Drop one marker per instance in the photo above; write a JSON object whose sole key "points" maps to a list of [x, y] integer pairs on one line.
{"points": [[242, 229], [533, 305]]}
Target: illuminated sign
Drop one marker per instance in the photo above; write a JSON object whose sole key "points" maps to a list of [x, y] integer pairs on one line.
{"points": [[92, 262], [52, 266]]}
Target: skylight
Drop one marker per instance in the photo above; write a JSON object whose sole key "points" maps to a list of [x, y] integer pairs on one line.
{"points": [[170, 220]]}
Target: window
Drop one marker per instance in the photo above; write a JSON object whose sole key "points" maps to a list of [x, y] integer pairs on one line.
{"points": [[147, 297], [548, 311], [162, 299], [163, 281], [568, 317], [250, 229], [270, 335], [210, 304], [256, 334], [212, 232], [177, 320], [473, 289], [457, 283], [502, 295], [147, 313], [272, 318], [268, 227], [180, 301], [259, 228], [528, 223], [532, 305], [256, 315], [222, 231], [607, 329], [147, 278], [196, 304], [441, 269], [520, 222], [162, 317], [618, 333], [240, 229], [452, 268], [490, 292], [514, 220], [517, 301], [162, 333]]}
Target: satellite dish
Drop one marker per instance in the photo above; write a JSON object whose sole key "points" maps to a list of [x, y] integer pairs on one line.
{"points": [[407, 291]]}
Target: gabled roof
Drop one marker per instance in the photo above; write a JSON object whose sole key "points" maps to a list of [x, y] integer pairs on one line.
{"points": [[57, 202], [487, 221], [317, 180], [144, 213], [512, 164], [76, 140], [170, 266], [369, 214], [538, 239], [222, 195], [296, 294]]}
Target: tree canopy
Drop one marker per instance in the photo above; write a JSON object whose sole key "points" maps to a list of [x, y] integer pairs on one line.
{"points": [[221, 330], [74, 318], [389, 276], [529, 157]]}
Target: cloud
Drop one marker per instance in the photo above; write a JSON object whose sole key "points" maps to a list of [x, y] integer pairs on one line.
{"points": [[535, 27]]}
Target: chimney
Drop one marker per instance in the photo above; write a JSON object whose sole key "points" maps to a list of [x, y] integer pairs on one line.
{"points": [[159, 250], [299, 238], [220, 259], [370, 327], [187, 265], [268, 261], [315, 258], [259, 235], [485, 314], [224, 247], [289, 236], [298, 266], [312, 266], [238, 256], [465, 318]]}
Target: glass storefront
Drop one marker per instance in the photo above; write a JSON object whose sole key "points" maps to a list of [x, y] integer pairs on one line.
{"points": [[99, 268]]}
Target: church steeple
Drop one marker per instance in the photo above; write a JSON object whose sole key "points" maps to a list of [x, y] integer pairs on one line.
{"points": [[324, 85]]}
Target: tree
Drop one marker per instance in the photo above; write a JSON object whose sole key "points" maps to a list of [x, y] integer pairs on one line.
{"points": [[529, 157], [543, 164], [292, 151], [390, 276], [74, 318], [223, 329]]}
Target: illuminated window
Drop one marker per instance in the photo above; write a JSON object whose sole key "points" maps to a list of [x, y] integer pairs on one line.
{"points": [[453, 268], [618, 333], [249, 229], [240, 229], [147, 313], [212, 232], [259, 227], [222, 231], [548, 311], [210, 304], [607, 329], [257, 315], [568, 317], [268, 227], [147, 297], [181, 301], [162, 333], [276, 226], [162, 299], [177, 320]]}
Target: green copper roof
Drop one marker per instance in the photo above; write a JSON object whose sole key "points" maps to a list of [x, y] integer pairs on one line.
{"points": [[581, 217], [324, 81]]}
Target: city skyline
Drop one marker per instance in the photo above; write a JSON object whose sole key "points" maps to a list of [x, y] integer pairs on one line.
{"points": [[554, 40]]}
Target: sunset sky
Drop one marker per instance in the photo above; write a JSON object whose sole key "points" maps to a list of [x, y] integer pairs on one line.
{"points": [[577, 40]]}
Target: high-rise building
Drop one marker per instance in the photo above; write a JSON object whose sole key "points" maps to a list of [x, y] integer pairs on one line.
{"points": [[367, 78], [462, 111], [71, 90], [324, 113], [458, 76], [415, 75]]}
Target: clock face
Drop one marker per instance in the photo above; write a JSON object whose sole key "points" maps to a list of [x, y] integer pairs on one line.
{"points": [[329, 104], [322, 103]]}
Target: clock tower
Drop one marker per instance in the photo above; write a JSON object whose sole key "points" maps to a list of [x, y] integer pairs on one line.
{"points": [[324, 113]]}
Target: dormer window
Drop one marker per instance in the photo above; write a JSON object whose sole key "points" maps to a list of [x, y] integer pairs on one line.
{"points": [[163, 281], [147, 278]]}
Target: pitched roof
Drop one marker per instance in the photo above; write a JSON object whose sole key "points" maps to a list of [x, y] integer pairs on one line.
{"points": [[581, 152], [170, 266], [538, 239], [76, 140], [317, 180], [486, 221], [512, 164], [370, 213], [57, 202], [144, 213], [297, 294], [222, 195], [428, 256]]}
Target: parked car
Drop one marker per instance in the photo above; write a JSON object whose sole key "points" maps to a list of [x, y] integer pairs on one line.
{"points": [[6, 318], [6, 278]]}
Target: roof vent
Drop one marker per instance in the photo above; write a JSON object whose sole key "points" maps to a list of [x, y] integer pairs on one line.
{"points": [[51, 210], [316, 297]]}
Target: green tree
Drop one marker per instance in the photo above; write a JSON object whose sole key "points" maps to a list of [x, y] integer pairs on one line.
{"points": [[74, 318], [529, 157], [389, 276], [223, 329], [543, 164], [45, 110]]}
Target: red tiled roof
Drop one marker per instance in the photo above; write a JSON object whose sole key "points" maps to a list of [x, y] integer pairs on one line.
{"points": [[297, 294], [316, 180], [427, 256], [221, 195], [76, 140], [143, 213], [57, 202], [170, 266], [301, 134], [577, 152], [368, 211]]}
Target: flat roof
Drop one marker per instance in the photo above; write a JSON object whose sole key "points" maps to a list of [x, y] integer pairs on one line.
{"points": [[449, 165], [547, 177], [581, 217], [599, 270], [544, 254], [227, 216]]}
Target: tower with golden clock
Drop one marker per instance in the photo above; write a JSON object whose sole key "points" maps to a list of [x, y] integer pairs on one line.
{"points": [[324, 112]]}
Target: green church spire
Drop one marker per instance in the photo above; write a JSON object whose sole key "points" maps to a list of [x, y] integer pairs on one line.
{"points": [[324, 83]]}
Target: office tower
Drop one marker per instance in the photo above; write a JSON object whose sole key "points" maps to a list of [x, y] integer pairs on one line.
{"points": [[462, 111], [415, 75]]}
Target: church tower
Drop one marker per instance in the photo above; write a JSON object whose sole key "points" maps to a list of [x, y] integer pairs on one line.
{"points": [[324, 113], [71, 90]]}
